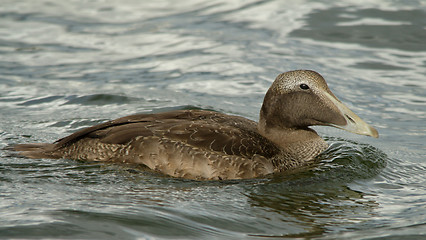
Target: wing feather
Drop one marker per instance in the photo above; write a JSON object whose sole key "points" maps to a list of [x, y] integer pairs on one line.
{"points": [[206, 130]]}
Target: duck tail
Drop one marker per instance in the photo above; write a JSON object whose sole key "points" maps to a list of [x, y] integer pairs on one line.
{"points": [[34, 150]]}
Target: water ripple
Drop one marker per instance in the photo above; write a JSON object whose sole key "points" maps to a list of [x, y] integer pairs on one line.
{"points": [[67, 65]]}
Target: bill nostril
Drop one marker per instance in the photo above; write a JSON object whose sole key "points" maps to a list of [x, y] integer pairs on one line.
{"points": [[350, 119]]}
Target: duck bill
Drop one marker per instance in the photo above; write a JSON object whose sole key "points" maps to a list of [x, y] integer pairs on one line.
{"points": [[354, 123]]}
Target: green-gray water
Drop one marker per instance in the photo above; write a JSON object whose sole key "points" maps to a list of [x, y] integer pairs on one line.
{"points": [[65, 65]]}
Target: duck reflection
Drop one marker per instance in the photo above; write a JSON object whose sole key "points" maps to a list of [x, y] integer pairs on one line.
{"points": [[321, 199]]}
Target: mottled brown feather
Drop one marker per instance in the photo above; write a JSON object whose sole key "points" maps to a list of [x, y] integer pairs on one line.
{"points": [[209, 130], [193, 144]]}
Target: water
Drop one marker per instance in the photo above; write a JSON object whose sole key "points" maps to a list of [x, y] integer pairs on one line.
{"points": [[66, 65]]}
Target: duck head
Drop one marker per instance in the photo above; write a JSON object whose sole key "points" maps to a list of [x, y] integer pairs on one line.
{"points": [[299, 99]]}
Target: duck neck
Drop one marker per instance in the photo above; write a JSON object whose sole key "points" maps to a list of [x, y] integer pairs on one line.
{"points": [[300, 144]]}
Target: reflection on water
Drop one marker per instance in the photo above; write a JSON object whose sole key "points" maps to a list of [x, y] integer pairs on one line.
{"points": [[315, 212], [320, 200], [67, 65]]}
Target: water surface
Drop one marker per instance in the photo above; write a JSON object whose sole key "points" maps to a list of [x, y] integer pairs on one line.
{"points": [[66, 65]]}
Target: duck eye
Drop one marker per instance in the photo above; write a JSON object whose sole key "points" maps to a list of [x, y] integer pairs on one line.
{"points": [[304, 86]]}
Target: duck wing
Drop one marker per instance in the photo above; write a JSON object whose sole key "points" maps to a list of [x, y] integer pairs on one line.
{"points": [[205, 130]]}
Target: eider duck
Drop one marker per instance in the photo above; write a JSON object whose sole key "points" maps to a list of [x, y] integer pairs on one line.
{"points": [[207, 145]]}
